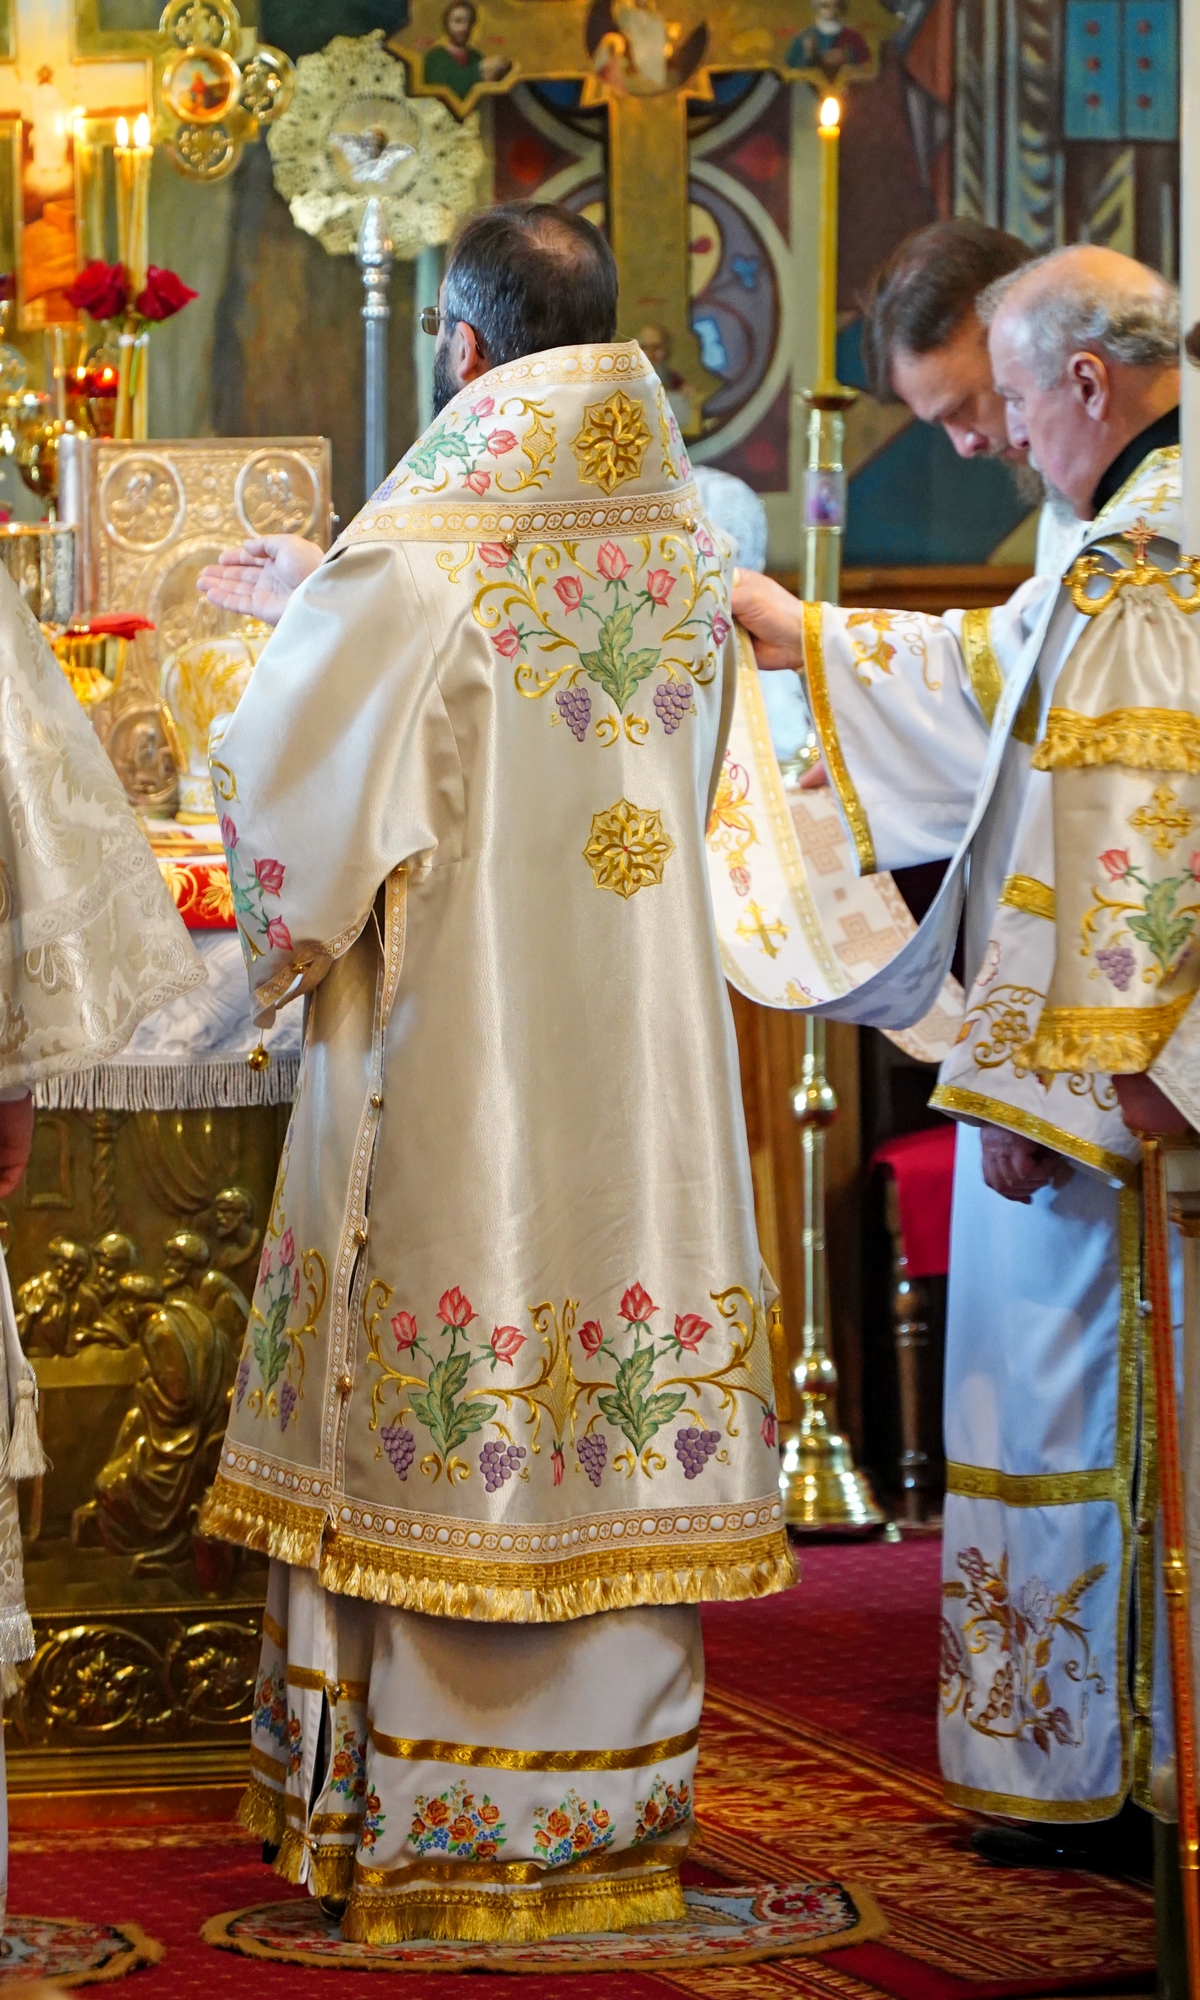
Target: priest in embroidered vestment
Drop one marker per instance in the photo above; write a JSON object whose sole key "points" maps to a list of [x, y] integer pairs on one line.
{"points": [[504, 1416], [939, 738]]}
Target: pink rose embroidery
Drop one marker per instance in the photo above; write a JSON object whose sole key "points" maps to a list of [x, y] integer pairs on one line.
{"points": [[507, 641], [404, 1326], [505, 1342], [740, 877], [264, 1265], [296, 1286], [494, 554], [1194, 865], [229, 835], [270, 875], [478, 481], [279, 935], [1115, 863], [720, 629], [484, 407], [556, 1461], [768, 1430], [569, 592], [591, 1336], [637, 1306], [454, 1308], [704, 542], [690, 1330], [612, 562], [500, 442], [287, 1249], [660, 583]]}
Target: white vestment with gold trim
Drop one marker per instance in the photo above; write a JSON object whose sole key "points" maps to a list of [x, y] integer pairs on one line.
{"points": [[928, 726], [508, 1359]]}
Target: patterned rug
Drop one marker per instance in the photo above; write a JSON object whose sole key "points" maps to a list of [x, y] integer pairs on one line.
{"points": [[776, 1921], [66, 1952]]}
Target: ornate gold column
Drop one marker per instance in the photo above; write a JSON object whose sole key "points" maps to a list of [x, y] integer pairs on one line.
{"points": [[821, 1486]]}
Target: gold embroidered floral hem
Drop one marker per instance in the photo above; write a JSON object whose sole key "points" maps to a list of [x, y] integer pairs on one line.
{"points": [[508, 1355]]}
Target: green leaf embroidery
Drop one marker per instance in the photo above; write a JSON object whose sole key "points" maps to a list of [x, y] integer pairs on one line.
{"points": [[267, 1341], [617, 670], [447, 1420], [1158, 928], [443, 444], [634, 1413]]}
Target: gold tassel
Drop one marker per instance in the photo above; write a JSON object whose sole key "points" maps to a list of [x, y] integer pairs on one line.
{"points": [[25, 1458], [1111, 1040], [293, 1850], [781, 1374], [480, 1916], [260, 1811]]}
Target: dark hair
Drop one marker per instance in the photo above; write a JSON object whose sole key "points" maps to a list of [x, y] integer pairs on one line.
{"points": [[529, 275], [925, 290]]}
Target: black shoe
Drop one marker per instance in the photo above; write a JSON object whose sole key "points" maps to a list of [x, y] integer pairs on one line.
{"points": [[1118, 1846]]}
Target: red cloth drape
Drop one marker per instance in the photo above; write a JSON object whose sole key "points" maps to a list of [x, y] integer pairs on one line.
{"points": [[923, 1166]]}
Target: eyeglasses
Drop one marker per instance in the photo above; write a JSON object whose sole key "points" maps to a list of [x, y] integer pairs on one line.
{"points": [[431, 319]]}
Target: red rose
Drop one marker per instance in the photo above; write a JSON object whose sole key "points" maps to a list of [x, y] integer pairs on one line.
{"points": [[569, 592], [508, 641], [556, 1461], [505, 1342], [637, 1305], [478, 481], [612, 562], [591, 1336], [100, 290], [279, 935], [228, 832], [404, 1326], [270, 875], [494, 554], [455, 1309], [162, 295], [264, 1265], [1115, 863], [720, 630], [500, 442], [768, 1430], [287, 1249], [690, 1330], [660, 583]]}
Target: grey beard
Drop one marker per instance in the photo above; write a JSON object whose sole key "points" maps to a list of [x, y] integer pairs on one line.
{"points": [[1028, 481], [445, 388]]}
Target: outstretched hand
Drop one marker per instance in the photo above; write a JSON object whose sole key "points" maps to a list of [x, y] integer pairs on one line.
{"points": [[773, 618], [257, 579]]}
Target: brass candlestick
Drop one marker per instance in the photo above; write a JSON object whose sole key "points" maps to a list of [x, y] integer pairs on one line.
{"points": [[821, 1486]]}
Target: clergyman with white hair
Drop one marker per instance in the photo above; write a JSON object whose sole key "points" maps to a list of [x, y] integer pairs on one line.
{"points": [[936, 747]]}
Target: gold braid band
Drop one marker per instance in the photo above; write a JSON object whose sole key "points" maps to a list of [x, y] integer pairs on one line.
{"points": [[1146, 739]]}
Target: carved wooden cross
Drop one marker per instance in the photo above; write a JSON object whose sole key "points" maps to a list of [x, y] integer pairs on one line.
{"points": [[644, 67]]}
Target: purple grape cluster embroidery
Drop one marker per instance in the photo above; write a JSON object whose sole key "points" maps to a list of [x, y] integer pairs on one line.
{"points": [[287, 1403], [399, 1444], [1119, 963], [575, 707], [593, 1455], [243, 1378], [672, 700], [498, 1462], [694, 1448]]}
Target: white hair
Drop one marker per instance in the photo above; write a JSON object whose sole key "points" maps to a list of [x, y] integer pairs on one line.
{"points": [[1089, 313]]}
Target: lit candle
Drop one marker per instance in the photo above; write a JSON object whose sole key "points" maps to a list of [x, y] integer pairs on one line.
{"points": [[828, 132], [123, 160], [139, 233]]}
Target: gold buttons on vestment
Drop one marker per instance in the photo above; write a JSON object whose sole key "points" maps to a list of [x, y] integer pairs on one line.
{"points": [[360, 1234], [346, 1383], [376, 1100]]}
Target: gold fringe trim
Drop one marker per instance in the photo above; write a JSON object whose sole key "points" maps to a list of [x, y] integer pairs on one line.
{"points": [[1145, 739], [512, 1917], [1112, 1041], [994, 1111], [260, 1811], [835, 763], [293, 1853], [1025, 892], [726, 1575], [266, 1522]]}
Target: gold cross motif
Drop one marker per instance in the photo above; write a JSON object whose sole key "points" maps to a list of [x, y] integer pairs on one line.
{"points": [[754, 925], [644, 68], [1167, 824], [1139, 538]]}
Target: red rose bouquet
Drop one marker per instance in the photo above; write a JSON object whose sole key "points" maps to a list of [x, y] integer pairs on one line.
{"points": [[105, 293]]}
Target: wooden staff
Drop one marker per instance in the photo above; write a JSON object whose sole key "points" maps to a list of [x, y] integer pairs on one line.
{"points": [[1156, 1238]]}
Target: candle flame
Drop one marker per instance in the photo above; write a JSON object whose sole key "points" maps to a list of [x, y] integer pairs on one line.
{"points": [[122, 131], [141, 130], [830, 114]]}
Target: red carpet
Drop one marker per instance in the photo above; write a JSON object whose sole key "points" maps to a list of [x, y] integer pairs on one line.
{"points": [[817, 1756]]}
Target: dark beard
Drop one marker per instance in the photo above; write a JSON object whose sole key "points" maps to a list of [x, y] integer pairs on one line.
{"points": [[445, 388]]}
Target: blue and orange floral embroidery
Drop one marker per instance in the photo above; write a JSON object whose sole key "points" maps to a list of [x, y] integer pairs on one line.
{"points": [[251, 886], [564, 1832], [453, 1823], [635, 610], [294, 1744], [668, 1806], [373, 1823], [348, 1772], [270, 1706]]}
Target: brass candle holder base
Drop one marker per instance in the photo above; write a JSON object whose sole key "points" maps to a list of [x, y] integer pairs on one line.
{"points": [[823, 1490]]}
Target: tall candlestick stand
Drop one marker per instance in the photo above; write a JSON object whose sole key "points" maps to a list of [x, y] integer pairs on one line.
{"points": [[822, 1488], [374, 254]]}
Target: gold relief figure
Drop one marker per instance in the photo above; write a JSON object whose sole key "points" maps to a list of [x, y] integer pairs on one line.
{"points": [[149, 1492], [117, 1321], [238, 1237], [189, 1274], [56, 1304]]}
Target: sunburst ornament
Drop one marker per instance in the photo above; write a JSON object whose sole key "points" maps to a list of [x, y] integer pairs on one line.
{"points": [[353, 132], [628, 848]]}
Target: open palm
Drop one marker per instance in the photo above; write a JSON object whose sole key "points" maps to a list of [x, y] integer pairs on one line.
{"points": [[257, 579]]}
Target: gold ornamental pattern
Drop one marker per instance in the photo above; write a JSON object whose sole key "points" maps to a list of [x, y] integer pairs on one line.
{"points": [[628, 848], [612, 442]]}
